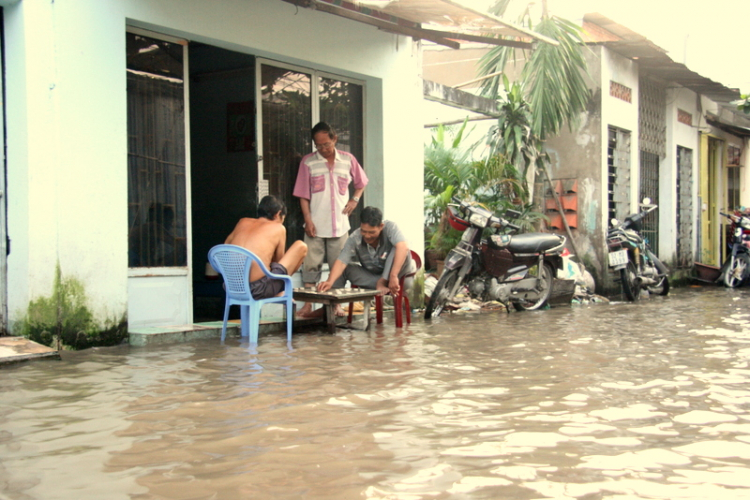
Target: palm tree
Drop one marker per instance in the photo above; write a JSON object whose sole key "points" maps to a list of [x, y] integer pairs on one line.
{"points": [[553, 78]]}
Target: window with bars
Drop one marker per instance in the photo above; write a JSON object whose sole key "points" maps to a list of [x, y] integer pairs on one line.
{"points": [[618, 181], [684, 207], [733, 188], [157, 204]]}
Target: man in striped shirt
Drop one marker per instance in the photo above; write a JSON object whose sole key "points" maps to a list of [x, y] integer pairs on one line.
{"points": [[322, 187]]}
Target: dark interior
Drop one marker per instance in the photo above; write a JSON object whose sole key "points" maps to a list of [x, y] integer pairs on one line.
{"points": [[223, 160]]}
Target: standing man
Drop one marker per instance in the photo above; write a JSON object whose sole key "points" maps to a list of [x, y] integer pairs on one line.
{"points": [[323, 190], [266, 238], [382, 252]]}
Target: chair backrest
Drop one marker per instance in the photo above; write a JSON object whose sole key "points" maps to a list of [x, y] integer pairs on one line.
{"points": [[417, 263], [233, 263], [417, 260]]}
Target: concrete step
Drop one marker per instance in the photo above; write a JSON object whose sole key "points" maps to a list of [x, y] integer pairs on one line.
{"points": [[144, 336], [20, 349]]}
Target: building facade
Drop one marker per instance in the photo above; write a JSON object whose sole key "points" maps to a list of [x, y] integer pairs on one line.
{"points": [[137, 132]]}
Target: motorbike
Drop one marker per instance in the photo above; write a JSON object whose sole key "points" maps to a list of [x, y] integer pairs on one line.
{"points": [[515, 268], [736, 269], [631, 256]]}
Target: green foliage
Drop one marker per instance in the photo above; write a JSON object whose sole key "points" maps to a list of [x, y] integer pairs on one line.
{"points": [[449, 171], [512, 137], [743, 104], [446, 169]]}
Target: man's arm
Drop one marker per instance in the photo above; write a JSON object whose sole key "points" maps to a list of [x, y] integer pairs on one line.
{"points": [[352, 203], [338, 270], [359, 177], [309, 225], [280, 246], [401, 250]]}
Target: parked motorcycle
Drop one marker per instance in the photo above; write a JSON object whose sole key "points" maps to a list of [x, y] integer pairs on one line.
{"points": [[736, 269], [515, 268], [631, 256]]}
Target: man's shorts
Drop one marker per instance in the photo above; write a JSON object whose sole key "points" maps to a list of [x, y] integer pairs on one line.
{"points": [[268, 287]]}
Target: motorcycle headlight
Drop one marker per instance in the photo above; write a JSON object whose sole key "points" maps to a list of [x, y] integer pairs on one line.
{"points": [[480, 220]]}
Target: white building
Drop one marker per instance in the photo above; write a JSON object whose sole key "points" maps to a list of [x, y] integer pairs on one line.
{"points": [[137, 132]]}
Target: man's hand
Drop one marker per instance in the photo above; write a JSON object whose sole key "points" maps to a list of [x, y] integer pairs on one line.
{"points": [[310, 229], [349, 207], [324, 286], [393, 285]]}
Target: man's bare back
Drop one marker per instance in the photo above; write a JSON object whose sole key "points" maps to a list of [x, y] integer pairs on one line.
{"points": [[265, 238]]}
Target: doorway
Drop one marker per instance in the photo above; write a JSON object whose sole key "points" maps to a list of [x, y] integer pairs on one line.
{"points": [[211, 131], [711, 153]]}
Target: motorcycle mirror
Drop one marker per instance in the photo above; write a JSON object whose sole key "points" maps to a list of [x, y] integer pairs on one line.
{"points": [[646, 201], [614, 222]]}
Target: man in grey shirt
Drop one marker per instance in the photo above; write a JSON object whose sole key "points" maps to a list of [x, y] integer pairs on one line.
{"points": [[382, 252]]}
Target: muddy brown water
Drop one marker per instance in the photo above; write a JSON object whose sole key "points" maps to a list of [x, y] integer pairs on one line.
{"points": [[604, 401]]}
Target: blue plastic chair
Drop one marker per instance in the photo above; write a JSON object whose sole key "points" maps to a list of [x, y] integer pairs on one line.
{"points": [[233, 263]]}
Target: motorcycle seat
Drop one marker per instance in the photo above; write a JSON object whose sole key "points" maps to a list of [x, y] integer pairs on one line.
{"points": [[533, 242]]}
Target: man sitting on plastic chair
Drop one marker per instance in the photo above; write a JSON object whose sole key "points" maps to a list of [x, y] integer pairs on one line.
{"points": [[266, 238], [382, 252]]}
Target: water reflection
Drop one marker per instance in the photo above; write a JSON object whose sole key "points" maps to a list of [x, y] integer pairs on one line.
{"points": [[607, 401]]}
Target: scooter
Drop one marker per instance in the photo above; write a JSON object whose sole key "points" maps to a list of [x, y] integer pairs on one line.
{"points": [[736, 269], [508, 268], [631, 256]]}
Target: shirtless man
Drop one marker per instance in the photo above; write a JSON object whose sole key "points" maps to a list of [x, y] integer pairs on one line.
{"points": [[266, 238]]}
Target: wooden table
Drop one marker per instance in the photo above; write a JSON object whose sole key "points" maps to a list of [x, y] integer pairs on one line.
{"points": [[338, 296]]}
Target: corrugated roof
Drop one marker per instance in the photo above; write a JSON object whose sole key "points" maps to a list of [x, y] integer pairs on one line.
{"points": [[652, 59], [435, 20]]}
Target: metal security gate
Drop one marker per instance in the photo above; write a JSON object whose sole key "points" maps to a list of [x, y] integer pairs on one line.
{"points": [[650, 189], [652, 135], [684, 207]]}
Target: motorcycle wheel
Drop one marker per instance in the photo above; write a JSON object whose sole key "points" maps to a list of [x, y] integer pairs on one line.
{"points": [[546, 277], [737, 271], [629, 278], [661, 288], [441, 294]]}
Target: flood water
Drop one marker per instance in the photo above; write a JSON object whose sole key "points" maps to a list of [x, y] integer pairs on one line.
{"points": [[616, 401]]}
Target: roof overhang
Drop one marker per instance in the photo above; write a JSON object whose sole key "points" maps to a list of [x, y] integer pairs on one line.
{"points": [[652, 59], [728, 127], [446, 22]]}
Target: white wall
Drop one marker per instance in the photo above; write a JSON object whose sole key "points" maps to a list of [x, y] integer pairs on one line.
{"points": [[67, 123], [619, 113]]}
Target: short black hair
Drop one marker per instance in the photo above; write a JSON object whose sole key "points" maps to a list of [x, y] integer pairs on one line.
{"points": [[269, 206], [372, 216], [323, 127]]}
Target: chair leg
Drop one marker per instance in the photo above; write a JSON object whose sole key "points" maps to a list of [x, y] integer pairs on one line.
{"points": [[226, 317], [289, 319], [254, 323], [244, 320], [407, 308], [379, 309], [398, 309]]}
